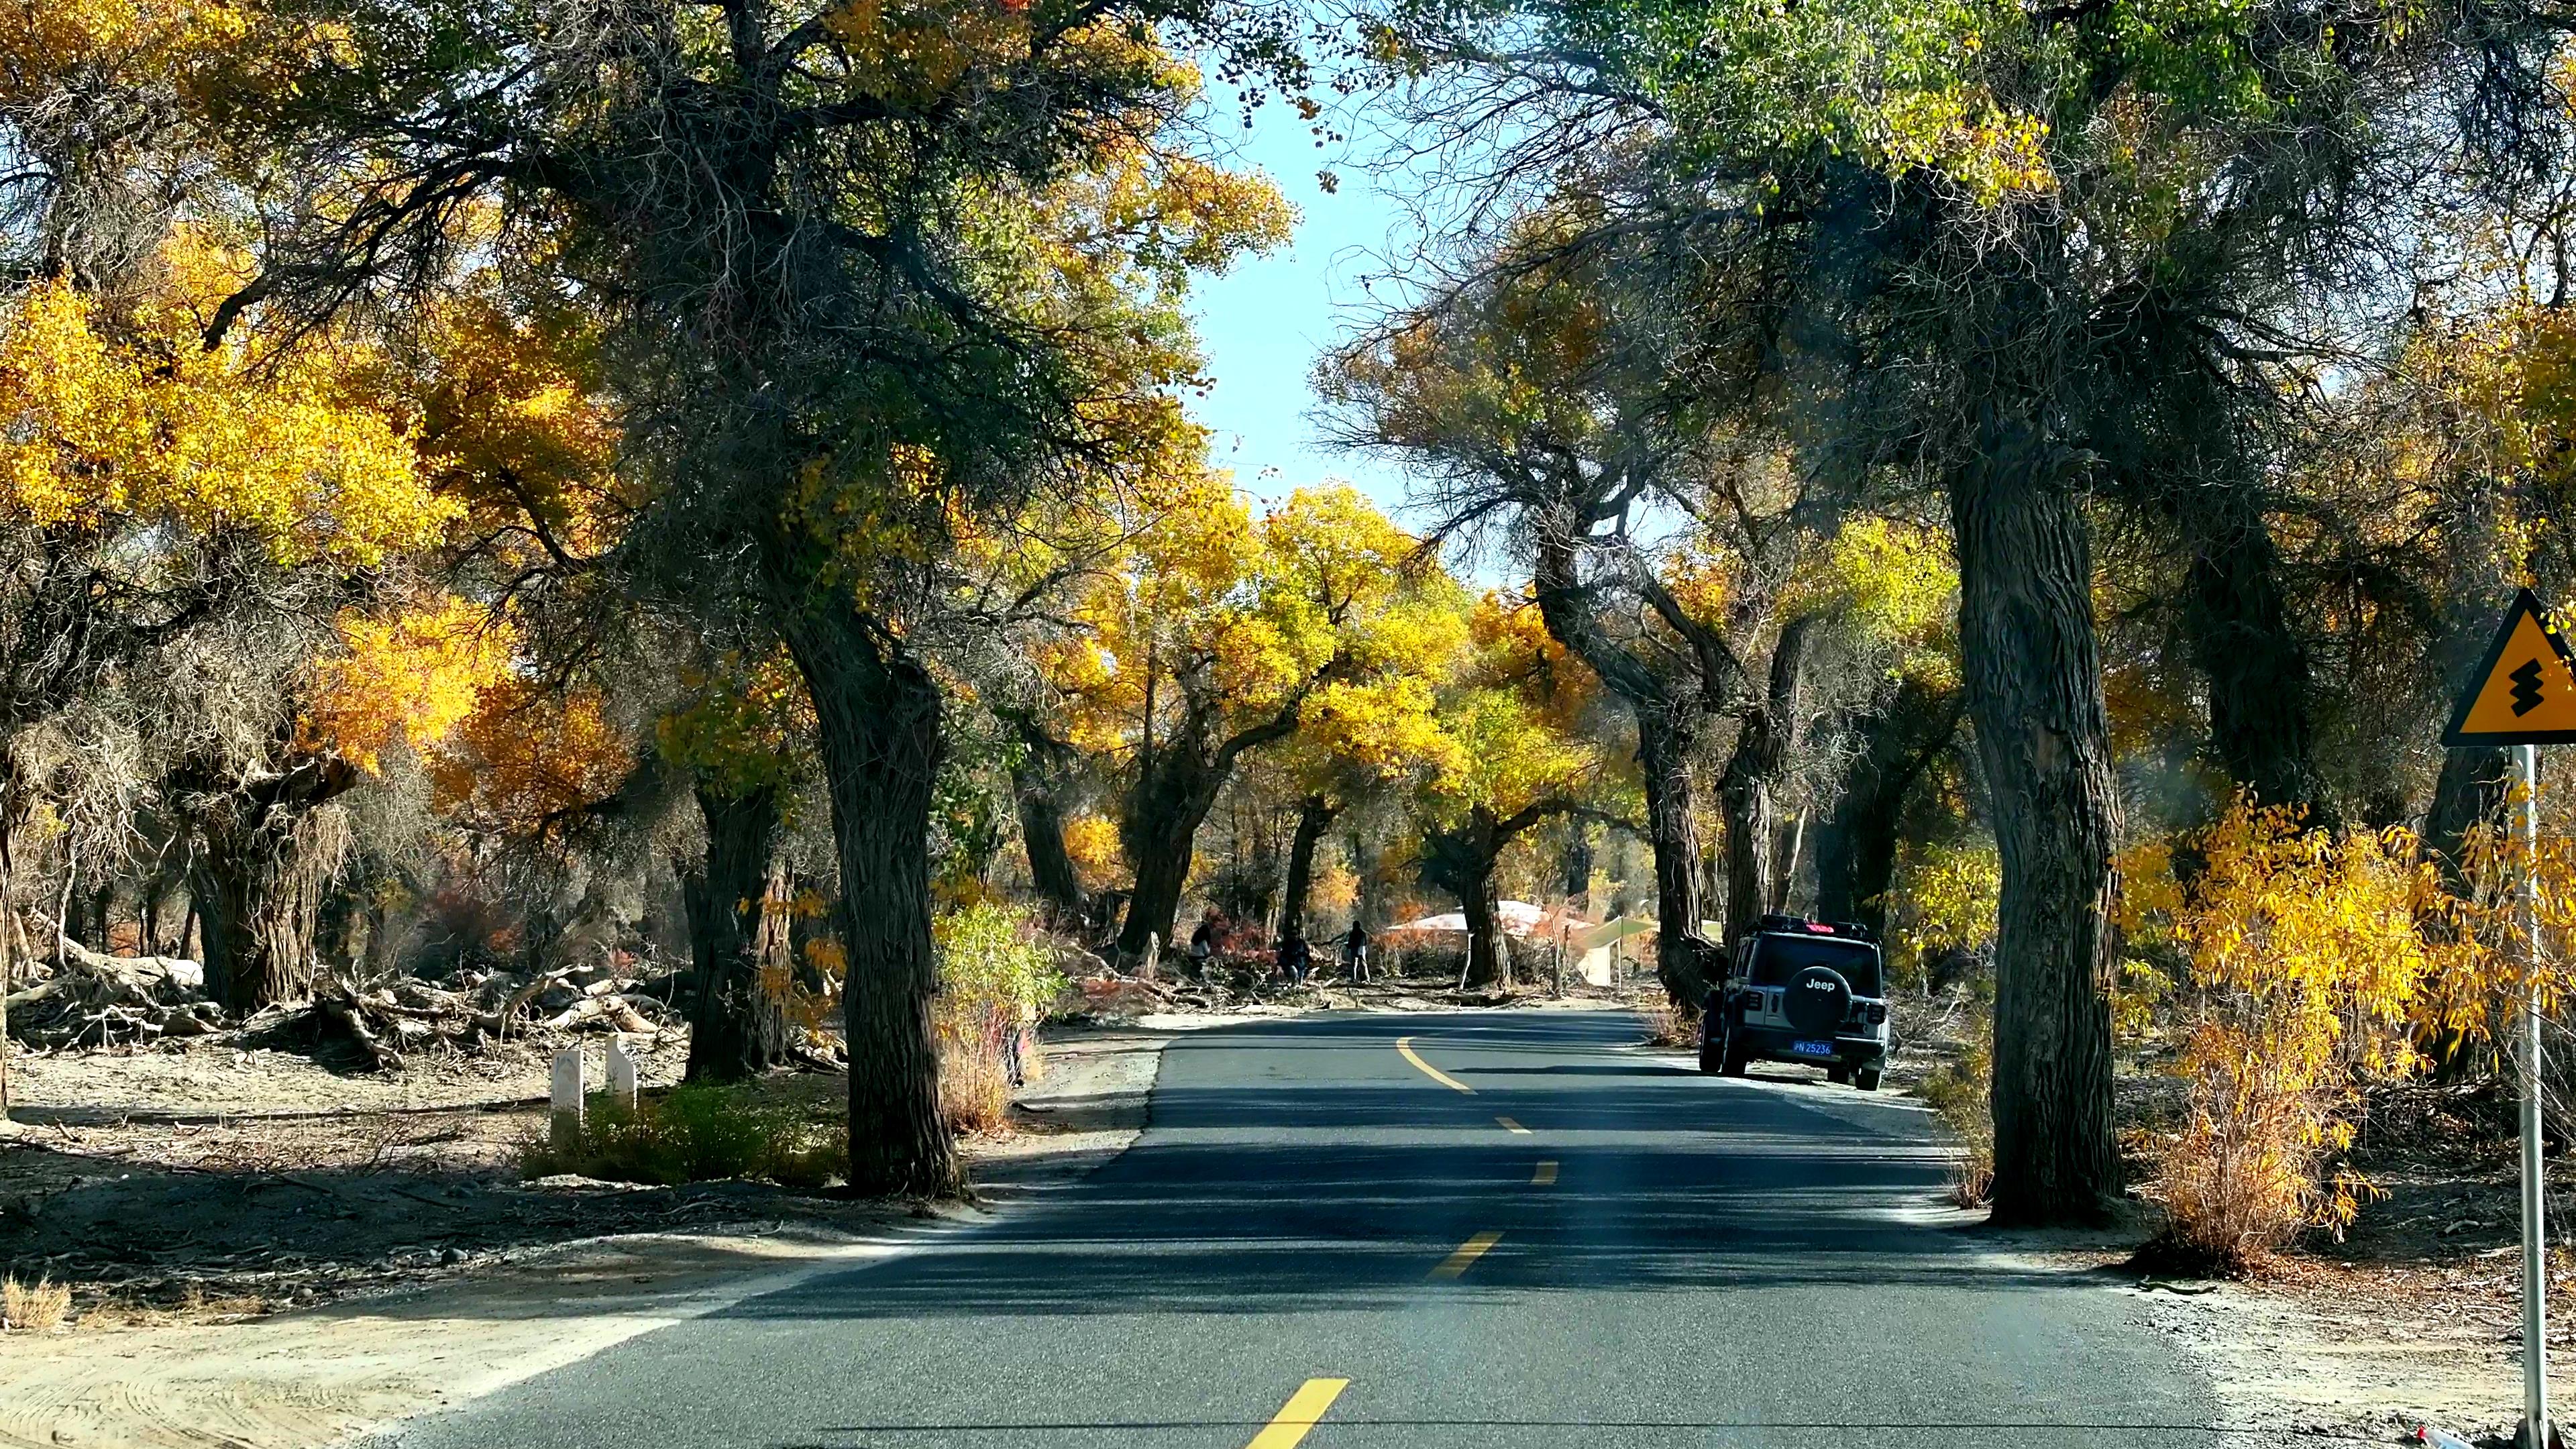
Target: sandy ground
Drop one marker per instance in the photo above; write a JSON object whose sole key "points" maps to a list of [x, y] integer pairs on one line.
{"points": [[506, 1284]]}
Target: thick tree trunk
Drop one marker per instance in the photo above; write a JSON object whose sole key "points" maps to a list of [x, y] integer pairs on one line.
{"points": [[1169, 802], [14, 809], [2237, 617], [1756, 868], [1314, 815], [1856, 843], [258, 904], [1051, 868], [2035, 691], [267, 851], [1488, 958], [878, 716], [1368, 909], [2471, 792], [737, 1016], [1663, 755], [1744, 808], [1574, 862]]}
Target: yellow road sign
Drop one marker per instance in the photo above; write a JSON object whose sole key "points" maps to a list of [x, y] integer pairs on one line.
{"points": [[2526, 693]]}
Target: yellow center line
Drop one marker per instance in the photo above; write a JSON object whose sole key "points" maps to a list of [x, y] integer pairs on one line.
{"points": [[1303, 1409], [1511, 1126], [1404, 1044], [1466, 1256], [1545, 1176]]}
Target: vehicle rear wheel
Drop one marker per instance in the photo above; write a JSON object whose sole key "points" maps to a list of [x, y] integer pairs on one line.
{"points": [[1866, 1079], [1733, 1055], [1712, 1052]]}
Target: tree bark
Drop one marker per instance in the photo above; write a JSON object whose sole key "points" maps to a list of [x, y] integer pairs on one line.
{"points": [[1368, 909], [2237, 617], [1668, 722], [1748, 789], [1672, 830], [259, 903], [1176, 785], [1574, 862], [2472, 791], [877, 712], [2035, 691], [1488, 960], [1036, 785], [1856, 843], [1315, 814], [268, 851], [737, 1016]]}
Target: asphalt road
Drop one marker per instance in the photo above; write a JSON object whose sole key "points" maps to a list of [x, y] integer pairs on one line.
{"points": [[1586, 1248]]}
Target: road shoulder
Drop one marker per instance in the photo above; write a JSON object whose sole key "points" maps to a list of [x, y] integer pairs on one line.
{"points": [[329, 1373]]}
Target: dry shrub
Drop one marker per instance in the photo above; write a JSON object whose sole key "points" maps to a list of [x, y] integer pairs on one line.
{"points": [[2306, 971], [974, 1079], [1961, 1093], [40, 1306], [1665, 1024], [995, 975], [695, 1133]]}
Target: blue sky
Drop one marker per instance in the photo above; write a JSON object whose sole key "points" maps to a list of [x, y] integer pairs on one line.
{"points": [[1263, 323]]}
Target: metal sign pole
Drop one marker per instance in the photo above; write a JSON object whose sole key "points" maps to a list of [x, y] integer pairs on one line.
{"points": [[2535, 1248]]}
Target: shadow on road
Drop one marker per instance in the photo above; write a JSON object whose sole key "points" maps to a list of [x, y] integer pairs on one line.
{"points": [[1339, 1179]]}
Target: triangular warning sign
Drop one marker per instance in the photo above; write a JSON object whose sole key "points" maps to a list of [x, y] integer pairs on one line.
{"points": [[2526, 693]]}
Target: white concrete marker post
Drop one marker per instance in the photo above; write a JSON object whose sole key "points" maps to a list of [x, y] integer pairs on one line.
{"points": [[621, 1074], [567, 1096]]}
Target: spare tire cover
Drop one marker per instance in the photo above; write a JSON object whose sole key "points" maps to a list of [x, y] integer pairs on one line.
{"points": [[1817, 1000]]}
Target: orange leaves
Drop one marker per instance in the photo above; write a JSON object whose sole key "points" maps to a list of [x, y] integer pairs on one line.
{"points": [[529, 757], [915, 53], [514, 429], [405, 679]]}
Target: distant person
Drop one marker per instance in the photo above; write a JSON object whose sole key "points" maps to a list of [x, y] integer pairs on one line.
{"points": [[1294, 957], [1203, 946], [1355, 962]]}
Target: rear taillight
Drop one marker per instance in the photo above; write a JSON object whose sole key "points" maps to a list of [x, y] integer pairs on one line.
{"points": [[1877, 1013]]}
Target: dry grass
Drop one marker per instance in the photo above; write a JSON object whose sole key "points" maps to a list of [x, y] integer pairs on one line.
{"points": [[40, 1306], [975, 1080], [2247, 1172], [1666, 1026], [1962, 1093]]}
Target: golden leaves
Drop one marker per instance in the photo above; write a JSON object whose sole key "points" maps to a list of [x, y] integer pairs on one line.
{"points": [[94, 430], [410, 677]]}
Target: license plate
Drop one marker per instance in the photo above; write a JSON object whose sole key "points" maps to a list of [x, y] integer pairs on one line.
{"points": [[1812, 1048]]}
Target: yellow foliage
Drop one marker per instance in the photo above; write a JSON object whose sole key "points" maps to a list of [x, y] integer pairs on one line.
{"points": [[2307, 971], [1214, 616], [408, 678], [1945, 899], [1092, 841], [515, 431], [159, 430]]}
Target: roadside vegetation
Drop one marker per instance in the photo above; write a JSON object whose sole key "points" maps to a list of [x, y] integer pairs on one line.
{"points": [[707, 543]]}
